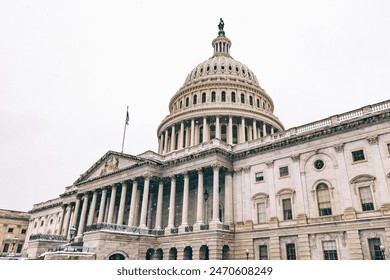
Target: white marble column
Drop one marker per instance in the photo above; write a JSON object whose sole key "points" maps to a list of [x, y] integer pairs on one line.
{"points": [[230, 131], [171, 218], [76, 212], [145, 200], [217, 127], [159, 204], [67, 220], [254, 133], [63, 212], [229, 197], [133, 202], [184, 216], [199, 207], [160, 144], [205, 130], [242, 140], [173, 138], [102, 206], [264, 129], [92, 208], [110, 217], [181, 136], [83, 216], [192, 143], [272, 130], [215, 195], [166, 142], [122, 203]]}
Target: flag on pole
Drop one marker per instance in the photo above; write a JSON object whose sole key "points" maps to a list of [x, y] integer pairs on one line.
{"points": [[127, 116]]}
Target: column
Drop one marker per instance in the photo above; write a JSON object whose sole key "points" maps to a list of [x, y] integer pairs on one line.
{"points": [[92, 208], [216, 195], [145, 199], [76, 212], [230, 131], [184, 216], [272, 130], [159, 204], [242, 140], [192, 143], [217, 128], [181, 136], [274, 250], [229, 197], [160, 144], [254, 126], [133, 202], [122, 203], [166, 142], [354, 245], [173, 138], [66, 221], [171, 219], [110, 217], [62, 218], [80, 231], [205, 130], [102, 206], [264, 129], [199, 208]]}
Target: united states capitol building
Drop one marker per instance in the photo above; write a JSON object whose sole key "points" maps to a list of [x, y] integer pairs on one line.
{"points": [[229, 181]]}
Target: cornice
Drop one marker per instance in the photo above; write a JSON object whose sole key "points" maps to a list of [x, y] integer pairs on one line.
{"points": [[318, 134], [45, 207]]}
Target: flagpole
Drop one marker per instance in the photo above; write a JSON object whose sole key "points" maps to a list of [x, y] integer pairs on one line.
{"points": [[124, 130]]}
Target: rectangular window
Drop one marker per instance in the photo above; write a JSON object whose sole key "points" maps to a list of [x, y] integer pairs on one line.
{"points": [[261, 216], [290, 250], [259, 176], [330, 250], [10, 230], [5, 248], [366, 199], [263, 252], [388, 148], [358, 155], [24, 231], [283, 171], [287, 209], [323, 197], [19, 249], [375, 249]]}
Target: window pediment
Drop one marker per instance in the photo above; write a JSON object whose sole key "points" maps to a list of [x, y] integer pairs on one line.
{"points": [[363, 178]]}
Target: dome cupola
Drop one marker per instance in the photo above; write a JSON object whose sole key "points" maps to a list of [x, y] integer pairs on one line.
{"points": [[220, 99]]}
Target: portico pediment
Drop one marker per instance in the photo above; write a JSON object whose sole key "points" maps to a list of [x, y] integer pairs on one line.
{"points": [[109, 163]]}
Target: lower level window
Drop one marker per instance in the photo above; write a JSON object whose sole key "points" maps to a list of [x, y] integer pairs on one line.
{"points": [[291, 253], [375, 249], [330, 250], [263, 252], [5, 249]]}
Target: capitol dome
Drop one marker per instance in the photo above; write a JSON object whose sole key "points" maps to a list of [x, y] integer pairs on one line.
{"points": [[220, 99]]}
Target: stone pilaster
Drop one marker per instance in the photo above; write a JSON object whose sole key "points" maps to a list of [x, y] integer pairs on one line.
{"points": [[354, 245], [274, 250], [304, 247]]}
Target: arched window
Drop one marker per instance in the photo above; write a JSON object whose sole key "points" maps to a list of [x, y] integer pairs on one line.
{"points": [[181, 104], [213, 96], [203, 97], [258, 103], [225, 252], [116, 257], [195, 99], [251, 100], [235, 138], [204, 252], [242, 98], [323, 200], [187, 101], [187, 253], [223, 133], [201, 134], [212, 131], [233, 97], [173, 254], [223, 96]]}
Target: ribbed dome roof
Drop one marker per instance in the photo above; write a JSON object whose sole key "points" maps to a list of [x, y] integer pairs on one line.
{"points": [[221, 65]]}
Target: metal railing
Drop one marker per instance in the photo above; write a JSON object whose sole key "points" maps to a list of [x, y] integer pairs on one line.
{"points": [[112, 227], [47, 237]]}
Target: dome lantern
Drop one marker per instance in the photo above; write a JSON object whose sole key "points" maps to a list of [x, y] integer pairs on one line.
{"points": [[221, 44]]}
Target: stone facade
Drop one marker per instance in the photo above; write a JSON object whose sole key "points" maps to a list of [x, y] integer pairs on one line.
{"points": [[228, 180], [13, 232]]}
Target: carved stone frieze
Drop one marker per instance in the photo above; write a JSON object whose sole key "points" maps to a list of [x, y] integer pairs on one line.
{"points": [[373, 139]]}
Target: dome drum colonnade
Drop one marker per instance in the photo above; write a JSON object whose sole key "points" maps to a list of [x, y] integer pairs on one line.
{"points": [[108, 204], [221, 98]]}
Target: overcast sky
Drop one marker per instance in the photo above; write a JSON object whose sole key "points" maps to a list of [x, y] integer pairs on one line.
{"points": [[68, 69]]}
